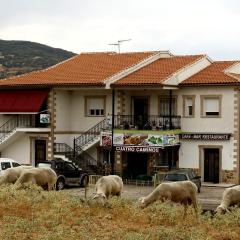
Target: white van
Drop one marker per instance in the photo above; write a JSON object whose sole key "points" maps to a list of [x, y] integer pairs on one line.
{"points": [[6, 163]]}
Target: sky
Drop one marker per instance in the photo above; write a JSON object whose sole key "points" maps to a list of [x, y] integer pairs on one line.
{"points": [[181, 26]]}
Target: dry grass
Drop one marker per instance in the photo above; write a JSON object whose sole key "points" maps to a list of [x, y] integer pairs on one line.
{"points": [[35, 214]]}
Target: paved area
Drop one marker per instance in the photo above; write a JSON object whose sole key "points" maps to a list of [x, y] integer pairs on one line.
{"points": [[209, 198]]}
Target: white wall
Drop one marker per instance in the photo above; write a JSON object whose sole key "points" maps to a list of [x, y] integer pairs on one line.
{"points": [[189, 153], [19, 150], [224, 124], [70, 107]]}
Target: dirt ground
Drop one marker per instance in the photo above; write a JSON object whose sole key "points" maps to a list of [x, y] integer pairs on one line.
{"points": [[209, 198]]}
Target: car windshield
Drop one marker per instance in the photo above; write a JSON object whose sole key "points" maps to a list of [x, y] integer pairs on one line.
{"points": [[191, 175], [175, 177]]}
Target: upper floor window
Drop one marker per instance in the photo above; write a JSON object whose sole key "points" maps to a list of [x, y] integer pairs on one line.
{"points": [[211, 106], [164, 106], [95, 106], [188, 106]]}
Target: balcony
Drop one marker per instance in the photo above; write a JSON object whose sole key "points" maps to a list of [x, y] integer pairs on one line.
{"points": [[147, 122]]}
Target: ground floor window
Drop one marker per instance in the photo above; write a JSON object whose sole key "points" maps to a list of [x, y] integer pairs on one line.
{"points": [[167, 158]]}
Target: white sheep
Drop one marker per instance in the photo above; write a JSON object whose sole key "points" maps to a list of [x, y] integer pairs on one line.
{"points": [[231, 196], [43, 177], [11, 175], [107, 186], [183, 192]]}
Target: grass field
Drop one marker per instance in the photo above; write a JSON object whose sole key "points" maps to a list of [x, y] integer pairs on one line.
{"points": [[35, 214]]}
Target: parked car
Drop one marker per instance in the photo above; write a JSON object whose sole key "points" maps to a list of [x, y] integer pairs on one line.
{"points": [[6, 163], [183, 175], [67, 172]]}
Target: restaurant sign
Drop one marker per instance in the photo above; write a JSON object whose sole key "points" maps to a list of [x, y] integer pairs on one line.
{"points": [[129, 142], [206, 136], [137, 149]]}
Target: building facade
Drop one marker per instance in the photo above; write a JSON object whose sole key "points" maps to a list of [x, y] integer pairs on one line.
{"points": [[133, 114]]}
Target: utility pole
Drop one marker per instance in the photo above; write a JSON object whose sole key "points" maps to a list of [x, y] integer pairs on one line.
{"points": [[118, 43]]}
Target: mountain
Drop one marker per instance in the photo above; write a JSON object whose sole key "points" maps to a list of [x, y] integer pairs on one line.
{"points": [[18, 57]]}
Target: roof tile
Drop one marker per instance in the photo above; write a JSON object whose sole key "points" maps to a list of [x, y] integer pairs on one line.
{"points": [[158, 71], [213, 74], [84, 69]]}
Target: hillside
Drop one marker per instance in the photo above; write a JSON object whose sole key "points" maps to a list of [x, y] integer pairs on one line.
{"points": [[18, 57]]}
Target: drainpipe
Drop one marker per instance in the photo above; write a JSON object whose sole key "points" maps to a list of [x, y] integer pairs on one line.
{"points": [[170, 109], [112, 147]]}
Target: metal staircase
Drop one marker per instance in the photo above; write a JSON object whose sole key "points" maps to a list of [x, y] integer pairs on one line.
{"points": [[90, 137], [78, 153], [82, 160], [9, 128]]}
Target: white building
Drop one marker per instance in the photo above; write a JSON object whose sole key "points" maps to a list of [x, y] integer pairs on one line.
{"points": [[156, 99]]}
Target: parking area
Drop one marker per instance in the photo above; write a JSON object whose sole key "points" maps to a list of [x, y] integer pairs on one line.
{"points": [[209, 197]]}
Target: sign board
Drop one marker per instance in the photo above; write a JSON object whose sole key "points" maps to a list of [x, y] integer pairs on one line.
{"points": [[206, 136], [137, 149], [106, 139], [45, 118], [138, 142]]}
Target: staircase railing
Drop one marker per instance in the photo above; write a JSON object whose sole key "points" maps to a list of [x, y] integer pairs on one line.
{"points": [[18, 121], [89, 135], [83, 160]]}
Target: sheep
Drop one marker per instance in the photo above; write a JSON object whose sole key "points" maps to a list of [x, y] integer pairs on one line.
{"points": [[107, 186], [231, 196], [43, 177], [183, 192], [11, 175]]}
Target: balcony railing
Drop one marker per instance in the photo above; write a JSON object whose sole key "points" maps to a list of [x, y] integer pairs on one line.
{"points": [[147, 122]]}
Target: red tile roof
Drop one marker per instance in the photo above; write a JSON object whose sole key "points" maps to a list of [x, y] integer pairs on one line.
{"points": [[212, 75], [84, 69], [92, 69], [158, 71]]}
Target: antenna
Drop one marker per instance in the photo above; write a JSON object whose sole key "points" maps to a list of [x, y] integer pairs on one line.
{"points": [[118, 44]]}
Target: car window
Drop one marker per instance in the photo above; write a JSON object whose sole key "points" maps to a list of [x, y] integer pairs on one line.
{"points": [[5, 165], [69, 167], [15, 164], [175, 177]]}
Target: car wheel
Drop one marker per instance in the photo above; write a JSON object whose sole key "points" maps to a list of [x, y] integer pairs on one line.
{"points": [[60, 184], [84, 181]]}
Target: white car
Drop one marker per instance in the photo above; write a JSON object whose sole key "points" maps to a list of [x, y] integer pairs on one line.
{"points": [[6, 163]]}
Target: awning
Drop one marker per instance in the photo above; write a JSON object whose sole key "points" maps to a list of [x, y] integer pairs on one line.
{"points": [[22, 101]]}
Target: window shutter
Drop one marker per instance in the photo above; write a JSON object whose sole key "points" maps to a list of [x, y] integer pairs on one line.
{"points": [[211, 105]]}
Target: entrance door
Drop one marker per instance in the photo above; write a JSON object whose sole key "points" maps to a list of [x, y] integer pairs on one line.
{"points": [[136, 164], [211, 165], [40, 151], [140, 111]]}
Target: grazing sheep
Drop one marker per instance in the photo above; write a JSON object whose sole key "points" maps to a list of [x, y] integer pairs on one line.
{"points": [[43, 177], [183, 192], [11, 175], [107, 186], [231, 196]]}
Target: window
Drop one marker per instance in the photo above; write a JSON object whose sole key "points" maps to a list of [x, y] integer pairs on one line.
{"points": [[164, 105], [211, 106], [15, 164], [95, 106], [5, 165], [188, 106]]}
